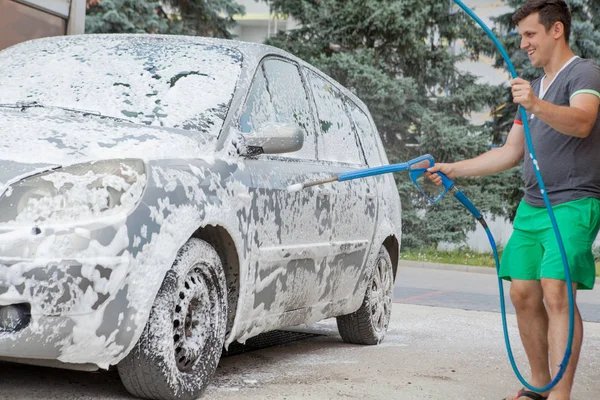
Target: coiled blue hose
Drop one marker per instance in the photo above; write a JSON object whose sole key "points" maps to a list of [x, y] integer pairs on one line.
{"points": [[567, 355], [414, 166]]}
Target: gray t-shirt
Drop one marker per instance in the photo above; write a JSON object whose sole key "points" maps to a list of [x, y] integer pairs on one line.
{"points": [[570, 166]]}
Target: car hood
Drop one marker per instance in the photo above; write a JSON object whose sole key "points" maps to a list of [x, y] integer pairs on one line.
{"points": [[35, 139]]}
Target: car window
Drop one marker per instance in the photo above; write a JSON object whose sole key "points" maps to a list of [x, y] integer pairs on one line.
{"points": [[259, 106], [278, 95], [336, 139], [366, 134]]}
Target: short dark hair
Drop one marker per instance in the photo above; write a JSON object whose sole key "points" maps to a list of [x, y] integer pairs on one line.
{"points": [[550, 12]]}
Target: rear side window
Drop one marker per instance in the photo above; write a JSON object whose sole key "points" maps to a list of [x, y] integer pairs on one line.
{"points": [[367, 135], [336, 139], [278, 95]]}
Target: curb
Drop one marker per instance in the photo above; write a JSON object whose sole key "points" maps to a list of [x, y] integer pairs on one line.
{"points": [[447, 267], [453, 267]]}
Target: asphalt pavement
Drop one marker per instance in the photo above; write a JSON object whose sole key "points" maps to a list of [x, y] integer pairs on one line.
{"points": [[468, 288]]}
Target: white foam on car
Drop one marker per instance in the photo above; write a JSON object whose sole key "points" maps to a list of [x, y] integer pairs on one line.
{"points": [[88, 138]]}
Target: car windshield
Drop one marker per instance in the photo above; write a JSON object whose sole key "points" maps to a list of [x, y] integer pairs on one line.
{"points": [[155, 80]]}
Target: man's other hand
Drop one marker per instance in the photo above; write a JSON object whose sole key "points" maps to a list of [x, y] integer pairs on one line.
{"points": [[523, 93]]}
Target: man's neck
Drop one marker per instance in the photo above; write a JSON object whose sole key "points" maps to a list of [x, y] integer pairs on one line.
{"points": [[562, 56]]}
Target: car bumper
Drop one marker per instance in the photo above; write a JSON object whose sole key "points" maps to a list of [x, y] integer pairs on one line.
{"points": [[71, 282], [61, 287]]}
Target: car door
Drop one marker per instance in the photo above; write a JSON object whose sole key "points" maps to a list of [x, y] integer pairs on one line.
{"points": [[354, 202], [291, 229]]}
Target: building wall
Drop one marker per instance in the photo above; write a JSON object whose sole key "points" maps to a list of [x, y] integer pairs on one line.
{"points": [[22, 20], [259, 23]]}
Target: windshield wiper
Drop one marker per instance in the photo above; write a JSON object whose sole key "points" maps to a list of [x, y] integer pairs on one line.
{"points": [[22, 104], [32, 104]]}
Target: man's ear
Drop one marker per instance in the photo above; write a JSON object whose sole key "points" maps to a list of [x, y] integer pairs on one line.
{"points": [[558, 30]]}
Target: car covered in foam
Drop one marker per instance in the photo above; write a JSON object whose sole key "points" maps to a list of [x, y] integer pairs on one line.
{"points": [[145, 216]]}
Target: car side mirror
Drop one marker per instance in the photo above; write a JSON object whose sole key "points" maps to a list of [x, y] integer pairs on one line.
{"points": [[274, 138]]}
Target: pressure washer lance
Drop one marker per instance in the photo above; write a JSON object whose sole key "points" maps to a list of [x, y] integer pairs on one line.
{"points": [[416, 167], [299, 186]]}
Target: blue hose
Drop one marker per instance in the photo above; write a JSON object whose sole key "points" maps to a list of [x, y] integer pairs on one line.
{"points": [[567, 355], [420, 164]]}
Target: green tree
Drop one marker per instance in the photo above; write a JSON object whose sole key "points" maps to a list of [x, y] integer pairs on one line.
{"points": [[213, 18], [125, 16], [397, 57]]}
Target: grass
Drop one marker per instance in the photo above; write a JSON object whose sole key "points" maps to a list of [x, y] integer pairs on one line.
{"points": [[458, 256]]}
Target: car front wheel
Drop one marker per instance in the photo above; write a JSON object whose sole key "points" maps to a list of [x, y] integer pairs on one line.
{"points": [[181, 345], [368, 324]]}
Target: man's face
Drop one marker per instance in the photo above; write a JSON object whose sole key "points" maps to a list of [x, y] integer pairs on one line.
{"points": [[538, 43]]}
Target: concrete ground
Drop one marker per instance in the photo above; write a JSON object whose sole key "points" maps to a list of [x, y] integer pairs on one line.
{"points": [[429, 353]]}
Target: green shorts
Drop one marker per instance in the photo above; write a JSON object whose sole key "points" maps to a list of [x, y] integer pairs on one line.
{"points": [[532, 251]]}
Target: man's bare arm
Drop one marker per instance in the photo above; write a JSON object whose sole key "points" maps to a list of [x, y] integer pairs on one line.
{"points": [[576, 120], [490, 162]]}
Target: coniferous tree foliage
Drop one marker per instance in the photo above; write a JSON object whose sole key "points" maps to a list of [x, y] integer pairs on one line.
{"points": [[211, 18], [125, 16], [400, 58]]}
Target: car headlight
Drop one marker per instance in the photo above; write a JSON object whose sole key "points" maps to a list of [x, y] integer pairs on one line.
{"points": [[78, 191]]}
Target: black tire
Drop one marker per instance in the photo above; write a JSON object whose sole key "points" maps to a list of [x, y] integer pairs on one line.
{"points": [[368, 324], [181, 345]]}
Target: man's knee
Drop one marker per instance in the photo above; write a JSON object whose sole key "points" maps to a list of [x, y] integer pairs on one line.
{"points": [[526, 294], [556, 295]]}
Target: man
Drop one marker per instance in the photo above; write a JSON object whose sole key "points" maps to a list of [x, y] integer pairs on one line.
{"points": [[562, 112]]}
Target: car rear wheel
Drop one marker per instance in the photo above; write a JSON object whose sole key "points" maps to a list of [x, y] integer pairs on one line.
{"points": [[368, 324], [181, 345]]}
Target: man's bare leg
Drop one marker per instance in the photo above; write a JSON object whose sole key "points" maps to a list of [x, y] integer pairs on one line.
{"points": [[557, 305], [532, 318]]}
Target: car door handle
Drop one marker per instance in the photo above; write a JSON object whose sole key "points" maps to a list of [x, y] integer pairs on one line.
{"points": [[323, 193]]}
